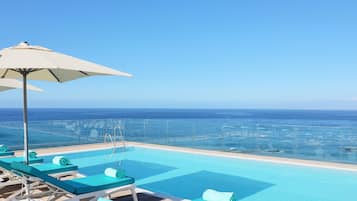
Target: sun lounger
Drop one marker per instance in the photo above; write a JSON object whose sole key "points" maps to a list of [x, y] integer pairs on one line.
{"points": [[50, 168], [6, 154], [58, 171], [20, 159], [9, 178], [79, 188], [6, 162]]}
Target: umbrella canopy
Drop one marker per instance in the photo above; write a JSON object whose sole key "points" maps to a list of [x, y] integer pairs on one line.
{"points": [[44, 64], [6, 84], [39, 63]]}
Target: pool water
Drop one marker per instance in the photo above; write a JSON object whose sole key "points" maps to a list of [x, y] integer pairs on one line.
{"points": [[187, 175]]}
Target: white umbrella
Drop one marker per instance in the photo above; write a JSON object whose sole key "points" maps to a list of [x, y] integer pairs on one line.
{"points": [[6, 84], [38, 63]]}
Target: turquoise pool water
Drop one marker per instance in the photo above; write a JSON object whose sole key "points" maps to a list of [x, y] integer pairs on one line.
{"points": [[187, 175]]}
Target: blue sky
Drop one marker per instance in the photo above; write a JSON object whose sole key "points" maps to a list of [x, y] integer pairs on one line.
{"points": [[194, 54]]}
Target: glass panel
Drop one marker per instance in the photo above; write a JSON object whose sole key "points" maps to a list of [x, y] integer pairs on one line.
{"points": [[328, 140]]}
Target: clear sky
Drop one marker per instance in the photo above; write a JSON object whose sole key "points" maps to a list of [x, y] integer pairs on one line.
{"points": [[194, 53]]}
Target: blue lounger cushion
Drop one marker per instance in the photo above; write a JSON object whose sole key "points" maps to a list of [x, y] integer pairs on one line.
{"points": [[6, 162], [21, 159], [76, 186], [97, 182], [50, 168], [8, 153]]}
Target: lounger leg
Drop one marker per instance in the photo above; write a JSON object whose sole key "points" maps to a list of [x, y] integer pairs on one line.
{"points": [[8, 179], [9, 183], [133, 192], [16, 194], [55, 194]]}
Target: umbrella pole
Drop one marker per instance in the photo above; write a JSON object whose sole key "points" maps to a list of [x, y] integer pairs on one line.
{"points": [[26, 148]]}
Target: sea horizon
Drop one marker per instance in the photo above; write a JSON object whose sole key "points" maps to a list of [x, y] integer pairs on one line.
{"points": [[191, 108]]}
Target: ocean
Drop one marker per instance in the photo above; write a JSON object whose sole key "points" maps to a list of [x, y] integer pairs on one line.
{"points": [[304, 134]]}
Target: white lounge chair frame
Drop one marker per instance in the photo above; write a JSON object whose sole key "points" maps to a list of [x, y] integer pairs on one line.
{"points": [[55, 192], [13, 179]]}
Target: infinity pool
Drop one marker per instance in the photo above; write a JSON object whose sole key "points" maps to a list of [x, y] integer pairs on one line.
{"points": [[187, 175]]}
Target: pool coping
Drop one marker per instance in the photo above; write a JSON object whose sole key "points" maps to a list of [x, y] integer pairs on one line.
{"points": [[242, 156]]}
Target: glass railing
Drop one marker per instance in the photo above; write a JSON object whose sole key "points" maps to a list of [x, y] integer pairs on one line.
{"points": [[317, 140]]}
